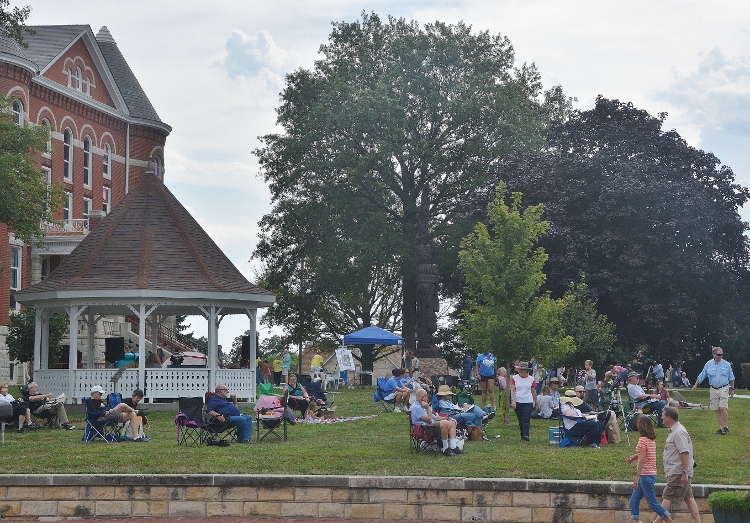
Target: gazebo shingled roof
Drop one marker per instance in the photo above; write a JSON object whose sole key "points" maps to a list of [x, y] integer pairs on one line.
{"points": [[149, 242]]}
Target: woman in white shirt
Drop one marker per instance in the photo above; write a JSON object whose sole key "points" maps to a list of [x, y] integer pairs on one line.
{"points": [[523, 397]]}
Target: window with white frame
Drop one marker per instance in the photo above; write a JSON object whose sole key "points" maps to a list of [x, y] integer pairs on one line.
{"points": [[47, 178], [87, 162], [68, 155], [106, 198], [88, 86], [68, 206], [79, 79], [70, 78], [18, 112], [15, 275], [86, 207], [157, 168], [107, 161], [48, 146]]}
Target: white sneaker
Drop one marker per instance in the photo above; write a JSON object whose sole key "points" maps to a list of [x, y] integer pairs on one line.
{"points": [[397, 409]]}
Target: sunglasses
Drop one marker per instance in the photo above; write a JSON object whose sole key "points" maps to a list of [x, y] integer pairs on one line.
{"points": [[719, 354]]}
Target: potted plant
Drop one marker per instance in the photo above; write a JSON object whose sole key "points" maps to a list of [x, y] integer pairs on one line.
{"points": [[730, 506]]}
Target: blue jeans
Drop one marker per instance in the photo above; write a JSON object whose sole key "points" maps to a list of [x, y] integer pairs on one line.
{"points": [[344, 375], [472, 417], [645, 489], [244, 424], [523, 413], [657, 406], [591, 427]]}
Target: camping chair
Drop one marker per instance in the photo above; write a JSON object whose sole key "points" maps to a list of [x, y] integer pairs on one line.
{"points": [[266, 389], [96, 428], [269, 413], [381, 392], [190, 421], [6, 417], [566, 438], [214, 430], [442, 379], [315, 390], [421, 439]]}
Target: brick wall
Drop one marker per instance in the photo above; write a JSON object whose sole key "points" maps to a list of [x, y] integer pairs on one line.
{"points": [[30, 497]]}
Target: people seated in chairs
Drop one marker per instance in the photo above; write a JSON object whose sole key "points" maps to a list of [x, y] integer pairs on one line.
{"points": [[41, 404], [644, 401], [607, 418], [470, 414], [223, 408], [135, 398], [576, 426], [399, 383], [421, 414], [297, 397], [120, 412], [20, 408]]}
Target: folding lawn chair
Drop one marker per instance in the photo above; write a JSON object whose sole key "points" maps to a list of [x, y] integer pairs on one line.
{"points": [[269, 414], [217, 431], [190, 421], [422, 439], [324, 407], [567, 439], [382, 392], [105, 429]]}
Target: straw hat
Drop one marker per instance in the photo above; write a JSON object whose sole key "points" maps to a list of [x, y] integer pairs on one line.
{"points": [[444, 390], [523, 365], [574, 400], [570, 393]]}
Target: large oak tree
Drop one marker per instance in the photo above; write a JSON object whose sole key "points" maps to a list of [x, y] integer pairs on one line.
{"points": [[650, 221], [397, 122]]}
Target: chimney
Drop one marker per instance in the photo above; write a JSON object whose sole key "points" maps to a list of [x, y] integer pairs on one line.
{"points": [[95, 218]]}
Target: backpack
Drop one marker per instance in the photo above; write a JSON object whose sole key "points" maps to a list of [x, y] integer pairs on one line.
{"points": [[487, 366]]}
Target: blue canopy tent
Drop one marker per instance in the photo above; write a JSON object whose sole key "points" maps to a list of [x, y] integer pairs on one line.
{"points": [[372, 336]]}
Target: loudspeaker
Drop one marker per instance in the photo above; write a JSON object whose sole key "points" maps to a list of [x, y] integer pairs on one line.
{"points": [[114, 349], [245, 348]]}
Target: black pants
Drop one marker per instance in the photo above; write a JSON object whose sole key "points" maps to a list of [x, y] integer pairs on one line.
{"points": [[523, 413]]}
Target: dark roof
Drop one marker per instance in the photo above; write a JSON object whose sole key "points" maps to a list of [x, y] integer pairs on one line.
{"points": [[50, 40], [149, 241]]}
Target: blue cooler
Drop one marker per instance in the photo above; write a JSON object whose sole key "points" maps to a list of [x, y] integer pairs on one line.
{"points": [[554, 435]]}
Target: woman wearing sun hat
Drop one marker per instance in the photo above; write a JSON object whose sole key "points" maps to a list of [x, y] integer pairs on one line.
{"points": [[523, 397], [471, 414]]}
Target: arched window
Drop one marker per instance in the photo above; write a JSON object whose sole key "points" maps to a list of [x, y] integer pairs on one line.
{"points": [[68, 155], [106, 198], [18, 112], [87, 162], [107, 162], [79, 79], [70, 78], [158, 171], [88, 86], [48, 146]]}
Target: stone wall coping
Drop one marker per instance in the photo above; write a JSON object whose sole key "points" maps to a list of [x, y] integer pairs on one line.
{"points": [[356, 482]]}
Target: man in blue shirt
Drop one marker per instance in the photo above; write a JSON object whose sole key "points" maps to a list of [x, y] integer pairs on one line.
{"points": [[223, 410], [721, 379]]}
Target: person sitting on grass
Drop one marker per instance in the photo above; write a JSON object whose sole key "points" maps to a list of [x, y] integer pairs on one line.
{"points": [[421, 414], [135, 398], [121, 412], [544, 404]]}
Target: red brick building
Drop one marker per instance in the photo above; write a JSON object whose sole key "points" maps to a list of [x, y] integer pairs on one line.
{"points": [[105, 135]]}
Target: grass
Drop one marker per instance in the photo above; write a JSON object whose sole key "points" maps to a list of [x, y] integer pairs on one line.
{"points": [[379, 446]]}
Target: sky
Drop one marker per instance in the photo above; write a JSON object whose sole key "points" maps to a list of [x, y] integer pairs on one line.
{"points": [[214, 71]]}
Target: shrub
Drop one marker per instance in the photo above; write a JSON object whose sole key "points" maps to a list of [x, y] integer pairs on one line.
{"points": [[730, 501]]}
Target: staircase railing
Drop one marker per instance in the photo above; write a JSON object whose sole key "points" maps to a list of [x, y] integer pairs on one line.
{"points": [[167, 338]]}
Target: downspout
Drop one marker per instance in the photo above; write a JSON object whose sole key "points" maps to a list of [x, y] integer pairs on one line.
{"points": [[127, 159]]}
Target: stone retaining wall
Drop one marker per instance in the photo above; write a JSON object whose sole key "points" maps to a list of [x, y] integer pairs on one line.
{"points": [[33, 497]]}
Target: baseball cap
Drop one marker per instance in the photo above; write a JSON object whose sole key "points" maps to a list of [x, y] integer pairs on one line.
{"points": [[97, 388]]}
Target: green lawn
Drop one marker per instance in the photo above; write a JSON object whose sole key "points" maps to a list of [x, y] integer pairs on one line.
{"points": [[379, 446]]}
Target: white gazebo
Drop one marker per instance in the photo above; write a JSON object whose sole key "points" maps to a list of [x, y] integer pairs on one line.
{"points": [[149, 258]]}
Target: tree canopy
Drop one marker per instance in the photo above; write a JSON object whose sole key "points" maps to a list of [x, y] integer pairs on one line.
{"points": [[506, 313], [650, 221], [397, 123], [21, 331], [13, 22]]}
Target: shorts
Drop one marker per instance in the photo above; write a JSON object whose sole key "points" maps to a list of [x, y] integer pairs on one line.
{"points": [[676, 489], [486, 378], [285, 372], [390, 396], [112, 414], [719, 398]]}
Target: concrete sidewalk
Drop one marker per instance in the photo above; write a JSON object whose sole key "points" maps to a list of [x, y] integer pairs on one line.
{"points": [[240, 520]]}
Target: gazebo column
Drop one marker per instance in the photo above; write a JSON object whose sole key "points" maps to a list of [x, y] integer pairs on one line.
{"points": [[143, 315], [38, 338], [252, 315], [44, 345], [91, 324], [213, 349], [74, 312], [154, 331]]}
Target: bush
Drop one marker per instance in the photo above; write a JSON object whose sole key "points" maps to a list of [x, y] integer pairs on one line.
{"points": [[730, 501]]}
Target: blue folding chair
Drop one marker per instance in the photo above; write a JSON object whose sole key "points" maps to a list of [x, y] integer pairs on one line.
{"points": [[105, 429], [381, 392]]}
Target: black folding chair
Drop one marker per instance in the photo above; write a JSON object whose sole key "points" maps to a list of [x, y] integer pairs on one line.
{"points": [[269, 414]]}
